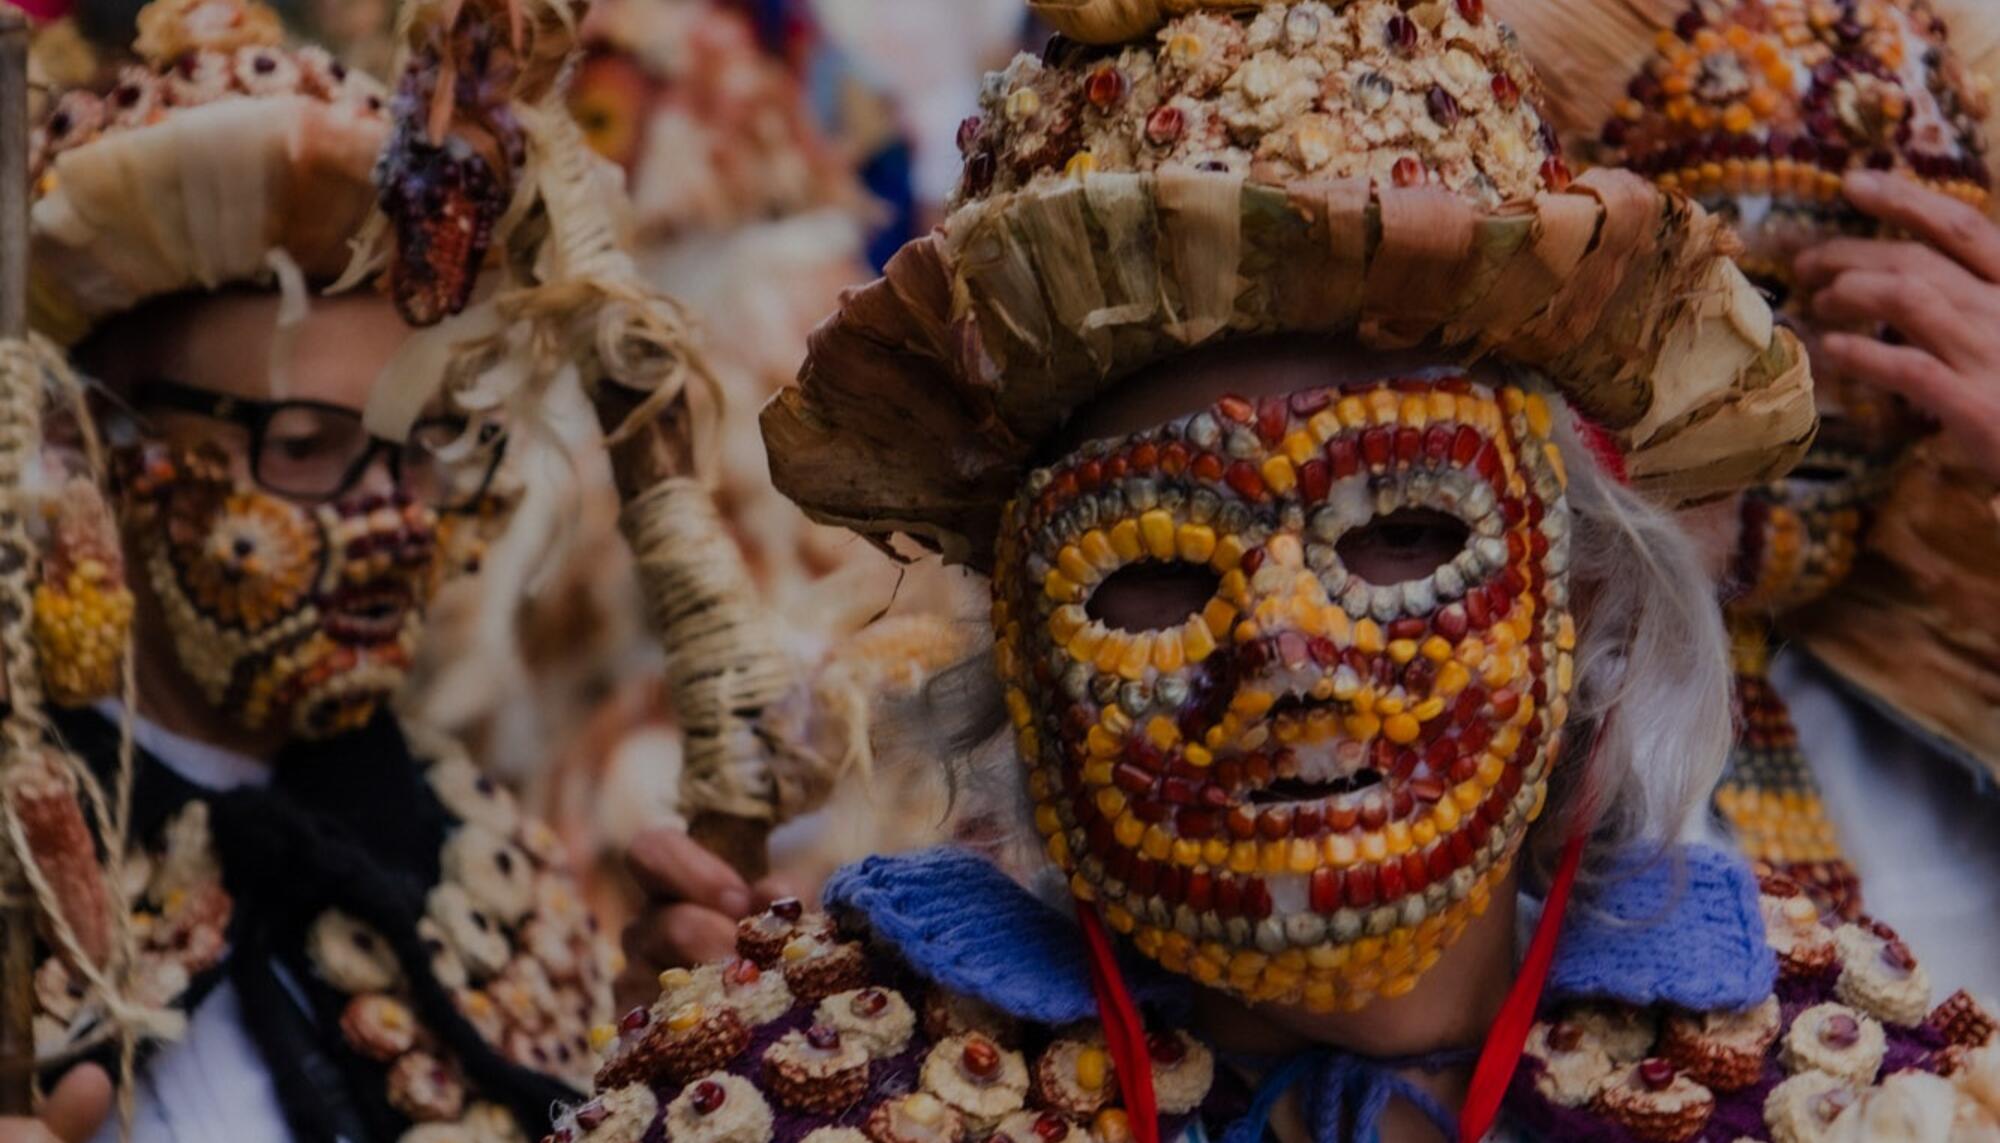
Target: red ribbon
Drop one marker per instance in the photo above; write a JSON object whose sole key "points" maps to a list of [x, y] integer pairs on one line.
{"points": [[1124, 1031], [1508, 1038]]}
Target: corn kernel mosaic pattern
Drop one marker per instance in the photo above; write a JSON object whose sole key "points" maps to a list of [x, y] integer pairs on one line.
{"points": [[283, 613], [1758, 107], [1421, 716], [1408, 94]]}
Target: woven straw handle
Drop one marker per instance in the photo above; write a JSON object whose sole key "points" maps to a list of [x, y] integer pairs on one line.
{"points": [[726, 665]]}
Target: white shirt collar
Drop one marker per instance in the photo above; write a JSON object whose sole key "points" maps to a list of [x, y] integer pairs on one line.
{"points": [[210, 767]]}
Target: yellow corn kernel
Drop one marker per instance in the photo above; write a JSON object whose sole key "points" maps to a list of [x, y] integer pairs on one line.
{"points": [[1156, 530], [1084, 645], [1074, 567], [1157, 844], [1368, 637], [1047, 820], [1129, 830], [1415, 412], [1137, 657], [688, 1015], [1098, 550], [601, 1036], [1402, 651], [1402, 729], [1093, 1069], [1299, 446], [1275, 857], [1353, 414], [1061, 588], [1383, 405], [1195, 542], [1111, 652], [1279, 475], [675, 978], [1125, 540], [1102, 743], [1195, 641], [1243, 857], [1111, 802], [1228, 555], [1066, 621]]}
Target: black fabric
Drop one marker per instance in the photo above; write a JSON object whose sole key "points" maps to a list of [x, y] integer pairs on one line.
{"points": [[347, 823]]}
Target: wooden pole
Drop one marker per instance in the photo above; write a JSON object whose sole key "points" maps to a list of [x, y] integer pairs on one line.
{"points": [[17, 910], [662, 451]]}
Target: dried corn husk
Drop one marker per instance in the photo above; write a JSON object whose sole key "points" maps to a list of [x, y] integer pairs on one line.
{"points": [[920, 402], [1585, 51], [198, 200], [1115, 21], [1917, 623]]}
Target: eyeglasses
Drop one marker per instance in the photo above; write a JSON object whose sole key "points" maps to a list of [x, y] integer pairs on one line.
{"points": [[315, 452]]}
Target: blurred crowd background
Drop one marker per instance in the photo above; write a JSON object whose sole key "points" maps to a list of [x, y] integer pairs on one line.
{"points": [[776, 152]]}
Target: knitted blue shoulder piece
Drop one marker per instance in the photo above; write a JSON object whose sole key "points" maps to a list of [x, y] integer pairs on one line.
{"points": [[1679, 927], [962, 923]]}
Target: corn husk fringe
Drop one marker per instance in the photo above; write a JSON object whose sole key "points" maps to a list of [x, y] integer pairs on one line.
{"points": [[921, 401], [1917, 623]]}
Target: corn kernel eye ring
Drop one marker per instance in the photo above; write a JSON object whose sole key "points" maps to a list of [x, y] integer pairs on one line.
{"points": [[1303, 790]]}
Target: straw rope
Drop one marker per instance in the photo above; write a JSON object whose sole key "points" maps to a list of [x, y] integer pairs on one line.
{"points": [[726, 664], [34, 764]]}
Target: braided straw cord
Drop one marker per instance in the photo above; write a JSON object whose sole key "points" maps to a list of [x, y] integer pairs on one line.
{"points": [[29, 758], [726, 665]]}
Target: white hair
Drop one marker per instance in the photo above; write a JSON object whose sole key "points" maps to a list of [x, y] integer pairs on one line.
{"points": [[1650, 718]]}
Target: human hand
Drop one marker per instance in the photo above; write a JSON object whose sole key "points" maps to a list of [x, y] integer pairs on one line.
{"points": [[74, 1111], [693, 901], [1940, 294]]}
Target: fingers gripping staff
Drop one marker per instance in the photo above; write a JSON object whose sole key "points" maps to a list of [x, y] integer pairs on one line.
{"points": [[489, 195]]}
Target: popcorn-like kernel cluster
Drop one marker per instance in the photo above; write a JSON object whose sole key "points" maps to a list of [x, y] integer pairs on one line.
{"points": [[1406, 94], [1758, 107]]}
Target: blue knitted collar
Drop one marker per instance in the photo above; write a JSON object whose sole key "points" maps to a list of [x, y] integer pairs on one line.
{"points": [[1680, 929]]}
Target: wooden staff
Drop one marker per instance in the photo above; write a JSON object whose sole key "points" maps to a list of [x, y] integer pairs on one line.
{"points": [[662, 451], [17, 908]]}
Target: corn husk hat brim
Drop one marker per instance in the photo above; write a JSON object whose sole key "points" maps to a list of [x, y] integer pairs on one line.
{"points": [[199, 200], [221, 156], [1366, 170], [922, 402]]}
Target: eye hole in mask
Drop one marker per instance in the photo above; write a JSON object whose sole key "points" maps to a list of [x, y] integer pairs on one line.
{"points": [[1405, 545], [1153, 595]]}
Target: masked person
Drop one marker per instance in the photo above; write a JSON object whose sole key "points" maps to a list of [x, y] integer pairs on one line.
{"points": [[1287, 388], [1863, 755], [367, 939]]}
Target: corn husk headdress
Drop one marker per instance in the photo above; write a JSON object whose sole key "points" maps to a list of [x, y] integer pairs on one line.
{"points": [[1192, 172], [1757, 107], [221, 157]]}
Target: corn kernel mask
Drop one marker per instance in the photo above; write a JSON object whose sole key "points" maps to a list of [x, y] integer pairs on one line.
{"points": [[1303, 789]]}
